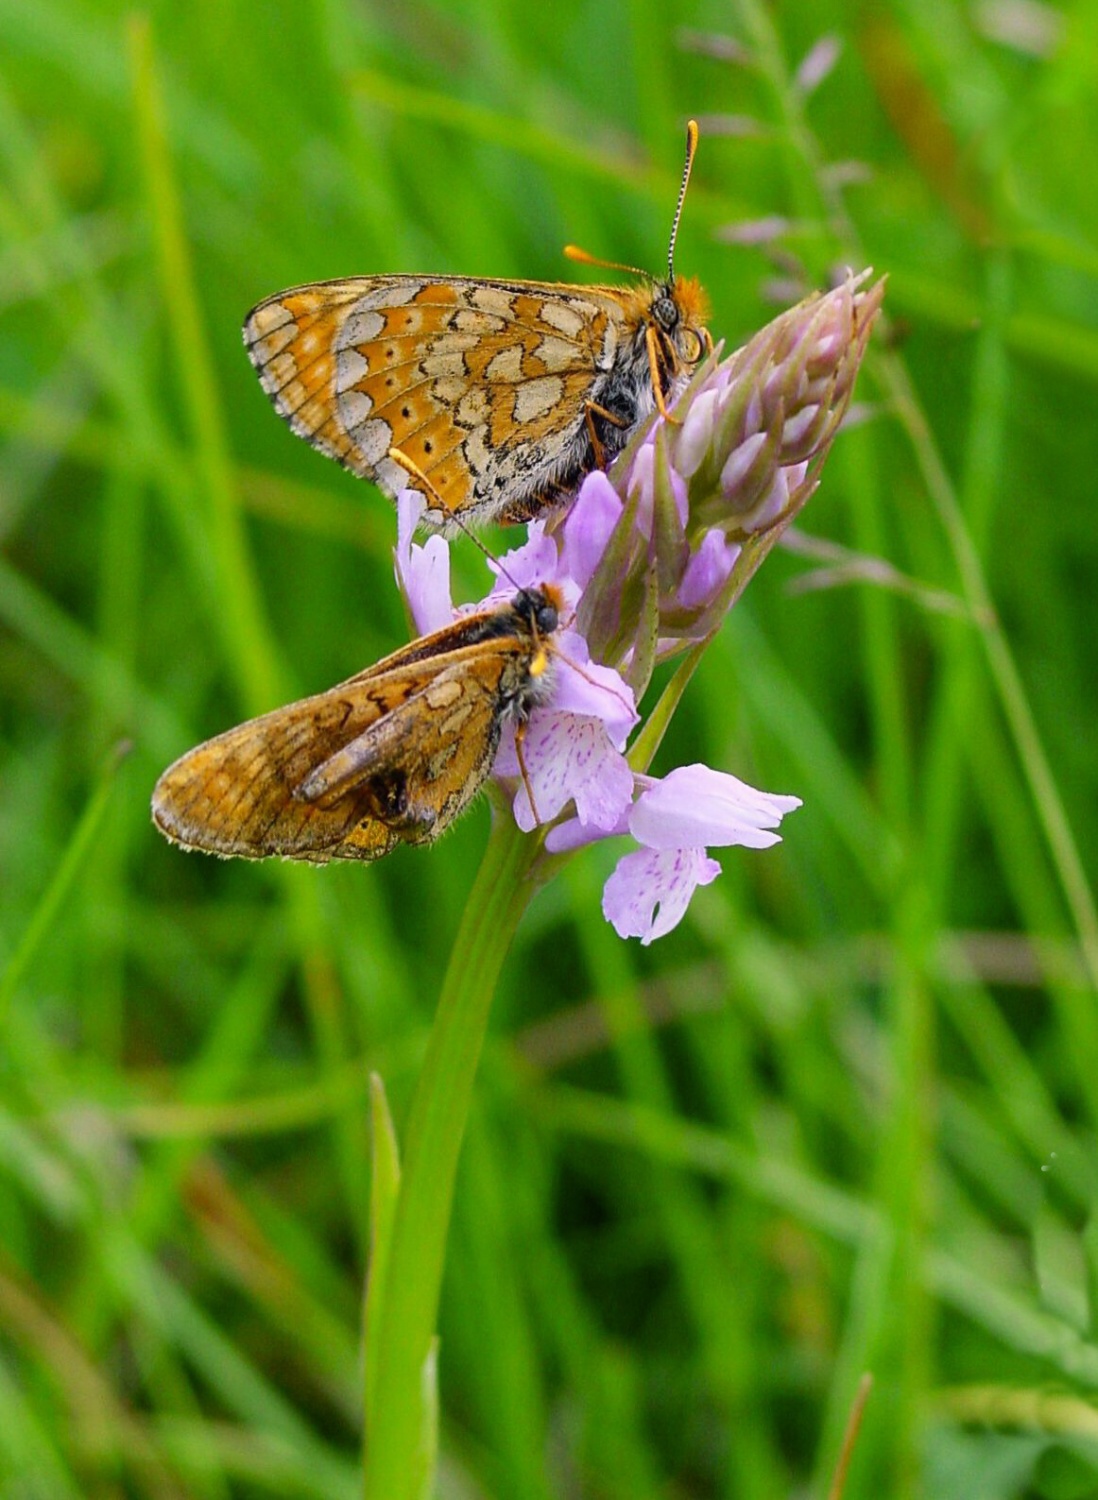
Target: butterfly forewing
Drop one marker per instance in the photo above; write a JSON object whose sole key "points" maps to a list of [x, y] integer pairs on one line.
{"points": [[503, 393], [482, 384], [392, 755]]}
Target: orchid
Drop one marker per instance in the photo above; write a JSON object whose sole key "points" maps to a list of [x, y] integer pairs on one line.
{"points": [[648, 560]]}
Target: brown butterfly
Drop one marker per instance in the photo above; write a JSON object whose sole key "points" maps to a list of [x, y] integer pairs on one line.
{"points": [[503, 394], [390, 756]]}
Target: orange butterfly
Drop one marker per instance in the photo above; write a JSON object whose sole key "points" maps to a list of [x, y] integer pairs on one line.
{"points": [[501, 394], [390, 756]]}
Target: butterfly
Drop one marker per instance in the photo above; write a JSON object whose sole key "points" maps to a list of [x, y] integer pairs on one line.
{"points": [[502, 395], [393, 755]]}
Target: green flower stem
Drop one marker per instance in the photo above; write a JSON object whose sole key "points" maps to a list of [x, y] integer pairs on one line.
{"points": [[407, 1309]]}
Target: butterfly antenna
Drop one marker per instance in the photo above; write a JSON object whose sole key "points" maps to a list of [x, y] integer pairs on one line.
{"points": [[413, 470], [585, 258], [691, 148]]}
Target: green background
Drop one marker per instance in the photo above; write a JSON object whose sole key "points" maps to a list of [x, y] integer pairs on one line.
{"points": [[843, 1118]]}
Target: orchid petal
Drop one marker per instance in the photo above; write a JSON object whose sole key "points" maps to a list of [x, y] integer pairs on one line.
{"points": [[708, 570], [588, 527], [649, 890], [696, 433], [422, 573], [530, 566], [568, 758], [581, 686], [697, 807]]}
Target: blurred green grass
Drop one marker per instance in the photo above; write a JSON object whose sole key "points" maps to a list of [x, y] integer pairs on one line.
{"points": [[844, 1117]]}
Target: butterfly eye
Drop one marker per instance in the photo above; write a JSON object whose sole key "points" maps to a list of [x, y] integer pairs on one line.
{"points": [[547, 618], [666, 313], [692, 358]]}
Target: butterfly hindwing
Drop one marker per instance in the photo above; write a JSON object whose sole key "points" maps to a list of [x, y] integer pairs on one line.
{"points": [[392, 755]]}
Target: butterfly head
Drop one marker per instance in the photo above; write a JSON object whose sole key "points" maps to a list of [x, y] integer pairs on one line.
{"points": [[677, 314], [540, 610]]}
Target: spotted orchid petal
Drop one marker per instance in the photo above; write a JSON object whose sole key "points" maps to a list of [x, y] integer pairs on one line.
{"points": [[569, 758], [649, 891]]}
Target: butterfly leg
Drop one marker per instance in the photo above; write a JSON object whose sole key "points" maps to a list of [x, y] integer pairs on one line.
{"points": [[591, 410], [652, 339], [520, 740]]}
